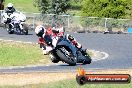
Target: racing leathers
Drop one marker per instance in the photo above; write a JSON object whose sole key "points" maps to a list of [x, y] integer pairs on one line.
{"points": [[45, 41], [7, 12], [50, 39]]}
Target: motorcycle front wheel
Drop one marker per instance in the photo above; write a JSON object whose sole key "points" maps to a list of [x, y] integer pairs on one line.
{"points": [[53, 58], [66, 56], [9, 29]]}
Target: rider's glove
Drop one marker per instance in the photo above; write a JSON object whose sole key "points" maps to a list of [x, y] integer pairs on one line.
{"points": [[70, 37], [49, 43]]}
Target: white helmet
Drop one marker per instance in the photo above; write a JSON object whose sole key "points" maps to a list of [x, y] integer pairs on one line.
{"points": [[40, 31], [10, 6]]}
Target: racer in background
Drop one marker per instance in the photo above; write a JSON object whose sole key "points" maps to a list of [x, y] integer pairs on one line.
{"points": [[10, 8], [7, 12]]}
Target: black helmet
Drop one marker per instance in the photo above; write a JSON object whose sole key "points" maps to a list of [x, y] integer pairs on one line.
{"points": [[40, 31]]}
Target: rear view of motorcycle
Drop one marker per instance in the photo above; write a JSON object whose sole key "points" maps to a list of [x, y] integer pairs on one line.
{"points": [[15, 23]]}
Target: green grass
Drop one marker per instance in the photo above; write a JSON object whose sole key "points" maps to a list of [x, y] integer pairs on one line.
{"points": [[12, 54], [17, 54], [23, 5], [72, 84]]}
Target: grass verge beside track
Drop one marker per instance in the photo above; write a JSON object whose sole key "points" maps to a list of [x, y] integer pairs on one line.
{"points": [[21, 54], [16, 54]]}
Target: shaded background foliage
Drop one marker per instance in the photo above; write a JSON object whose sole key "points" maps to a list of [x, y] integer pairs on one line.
{"points": [[43, 5], [107, 8], [52, 6], [92, 8]]}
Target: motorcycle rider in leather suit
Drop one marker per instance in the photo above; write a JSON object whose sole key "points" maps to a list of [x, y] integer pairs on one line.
{"points": [[53, 35]]}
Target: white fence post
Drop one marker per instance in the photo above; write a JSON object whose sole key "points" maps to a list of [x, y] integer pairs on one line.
{"points": [[33, 21], [68, 21], [106, 24]]}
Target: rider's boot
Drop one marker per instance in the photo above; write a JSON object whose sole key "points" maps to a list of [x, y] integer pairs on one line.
{"points": [[83, 51], [74, 42]]}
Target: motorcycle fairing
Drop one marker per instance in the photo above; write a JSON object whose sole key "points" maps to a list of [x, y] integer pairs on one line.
{"points": [[65, 42]]}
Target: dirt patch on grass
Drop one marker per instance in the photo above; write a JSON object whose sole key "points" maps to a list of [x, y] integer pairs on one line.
{"points": [[20, 79], [32, 78]]}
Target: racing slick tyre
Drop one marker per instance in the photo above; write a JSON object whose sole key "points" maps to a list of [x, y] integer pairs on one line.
{"points": [[53, 59], [87, 59], [25, 32], [10, 31], [9, 28], [66, 56]]}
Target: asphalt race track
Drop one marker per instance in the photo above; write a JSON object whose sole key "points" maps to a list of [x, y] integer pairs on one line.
{"points": [[118, 46]]}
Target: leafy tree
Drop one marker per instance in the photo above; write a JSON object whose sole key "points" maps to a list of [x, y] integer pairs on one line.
{"points": [[75, 4], [59, 6], [129, 10], [52, 6], [43, 5], [106, 8]]}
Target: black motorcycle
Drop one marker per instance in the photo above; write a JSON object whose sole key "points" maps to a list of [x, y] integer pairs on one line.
{"points": [[66, 52]]}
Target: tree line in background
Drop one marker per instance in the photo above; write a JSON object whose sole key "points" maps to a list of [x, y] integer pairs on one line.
{"points": [[52, 6], [94, 8], [107, 8]]}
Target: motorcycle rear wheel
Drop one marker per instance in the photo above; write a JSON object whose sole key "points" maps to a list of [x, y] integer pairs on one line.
{"points": [[88, 60], [25, 29], [53, 58], [25, 32]]}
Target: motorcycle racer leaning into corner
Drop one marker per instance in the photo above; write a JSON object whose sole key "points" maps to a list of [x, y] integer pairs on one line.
{"points": [[53, 34]]}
